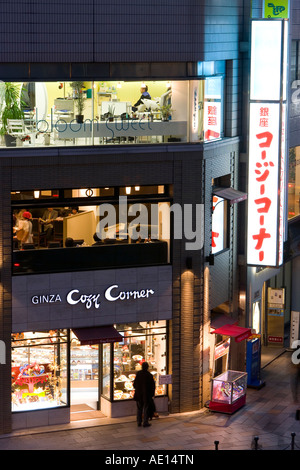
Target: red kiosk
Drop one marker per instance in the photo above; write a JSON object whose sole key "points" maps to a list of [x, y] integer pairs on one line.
{"points": [[228, 392]]}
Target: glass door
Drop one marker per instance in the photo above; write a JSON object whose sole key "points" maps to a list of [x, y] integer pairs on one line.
{"points": [[84, 375]]}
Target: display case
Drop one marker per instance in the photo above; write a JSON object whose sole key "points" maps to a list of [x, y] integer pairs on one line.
{"points": [[228, 392], [39, 370], [84, 363]]}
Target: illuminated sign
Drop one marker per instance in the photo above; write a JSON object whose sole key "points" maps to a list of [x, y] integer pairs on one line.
{"points": [[267, 143], [265, 75], [276, 9], [263, 175], [217, 242], [111, 294], [212, 120]]}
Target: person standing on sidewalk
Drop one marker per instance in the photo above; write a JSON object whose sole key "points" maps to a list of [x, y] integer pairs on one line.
{"points": [[144, 392]]}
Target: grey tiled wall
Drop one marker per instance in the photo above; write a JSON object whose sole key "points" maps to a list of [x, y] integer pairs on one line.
{"points": [[119, 31]]}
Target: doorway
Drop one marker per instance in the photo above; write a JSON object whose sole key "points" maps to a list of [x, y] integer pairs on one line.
{"points": [[84, 382]]}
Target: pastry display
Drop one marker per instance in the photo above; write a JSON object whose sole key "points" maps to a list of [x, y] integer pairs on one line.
{"points": [[137, 357], [118, 394], [228, 392], [128, 360], [128, 385], [125, 396]]}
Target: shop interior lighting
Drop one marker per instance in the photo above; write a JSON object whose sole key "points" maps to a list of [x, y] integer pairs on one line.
{"points": [[137, 188], [128, 189], [36, 194]]}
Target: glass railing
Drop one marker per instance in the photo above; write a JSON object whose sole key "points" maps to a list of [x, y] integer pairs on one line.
{"points": [[103, 113], [77, 258]]}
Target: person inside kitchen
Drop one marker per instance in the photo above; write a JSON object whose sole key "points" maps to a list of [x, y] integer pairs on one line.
{"points": [[23, 230], [145, 95], [47, 221]]}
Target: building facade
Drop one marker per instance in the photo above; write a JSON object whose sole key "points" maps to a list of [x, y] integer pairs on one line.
{"points": [[80, 313]]}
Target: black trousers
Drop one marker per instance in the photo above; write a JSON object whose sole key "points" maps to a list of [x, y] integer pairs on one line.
{"points": [[143, 410]]}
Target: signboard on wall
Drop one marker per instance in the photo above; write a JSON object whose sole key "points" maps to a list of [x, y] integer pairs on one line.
{"points": [[222, 349], [295, 322], [275, 316], [267, 143], [263, 171], [90, 298], [212, 120], [276, 9], [217, 229]]}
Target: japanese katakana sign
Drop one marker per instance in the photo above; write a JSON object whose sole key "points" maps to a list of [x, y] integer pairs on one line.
{"points": [[263, 197], [267, 143]]}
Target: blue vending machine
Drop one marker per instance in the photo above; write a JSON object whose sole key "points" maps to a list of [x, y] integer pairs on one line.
{"points": [[253, 362]]}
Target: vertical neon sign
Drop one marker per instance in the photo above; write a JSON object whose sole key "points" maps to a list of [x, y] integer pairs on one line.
{"points": [[267, 143]]}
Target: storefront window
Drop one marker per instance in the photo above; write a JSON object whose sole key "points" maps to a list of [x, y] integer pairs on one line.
{"points": [[39, 370], [109, 112], [145, 341]]}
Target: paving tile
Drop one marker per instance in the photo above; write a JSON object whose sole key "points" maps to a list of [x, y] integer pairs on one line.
{"points": [[269, 414]]}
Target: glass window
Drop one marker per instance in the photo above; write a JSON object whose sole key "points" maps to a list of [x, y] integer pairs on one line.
{"points": [[145, 341], [109, 112], [39, 370], [106, 367], [39, 228]]}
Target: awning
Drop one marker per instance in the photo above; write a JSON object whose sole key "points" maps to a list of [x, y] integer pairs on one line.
{"points": [[97, 335], [237, 332], [230, 194]]}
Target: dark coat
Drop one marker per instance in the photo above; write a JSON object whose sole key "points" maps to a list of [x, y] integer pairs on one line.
{"points": [[144, 385]]}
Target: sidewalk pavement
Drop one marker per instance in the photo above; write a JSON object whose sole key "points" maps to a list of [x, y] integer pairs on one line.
{"points": [[269, 414]]}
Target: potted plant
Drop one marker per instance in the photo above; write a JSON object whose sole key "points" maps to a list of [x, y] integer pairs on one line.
{"points": [[166, 112], [11, 110], [79, 99]]}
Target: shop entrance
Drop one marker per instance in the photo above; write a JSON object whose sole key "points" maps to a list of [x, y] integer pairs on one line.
{"points": [[84, 381]]}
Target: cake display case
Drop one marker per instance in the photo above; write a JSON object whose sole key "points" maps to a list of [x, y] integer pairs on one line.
{"points": [[228, 392]]}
